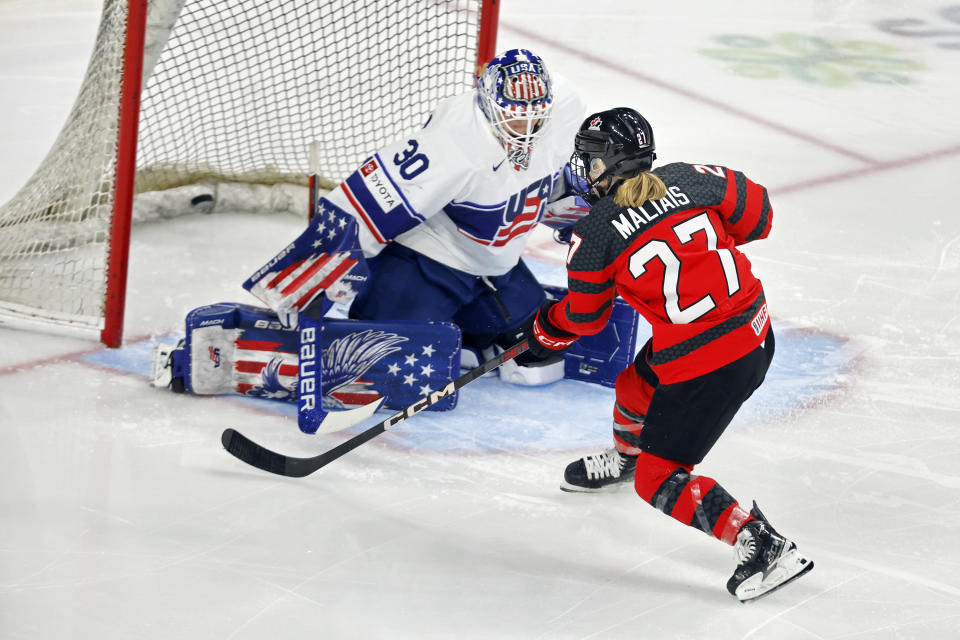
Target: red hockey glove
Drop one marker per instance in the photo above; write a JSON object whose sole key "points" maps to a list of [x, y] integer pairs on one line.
{"points": [[547, 341]]}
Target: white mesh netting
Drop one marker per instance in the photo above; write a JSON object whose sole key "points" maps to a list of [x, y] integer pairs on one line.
{"points": [[54, 231], [233, 91]]}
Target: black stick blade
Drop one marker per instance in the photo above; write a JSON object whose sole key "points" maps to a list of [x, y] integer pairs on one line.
{"points": [[242, 448]]}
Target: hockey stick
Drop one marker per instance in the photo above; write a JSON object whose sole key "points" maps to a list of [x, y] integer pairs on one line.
{"points": [[245, 449], [339, 420]]}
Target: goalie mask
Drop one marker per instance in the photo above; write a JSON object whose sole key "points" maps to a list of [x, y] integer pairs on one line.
{"points": [[515, 95], [610, 143]]}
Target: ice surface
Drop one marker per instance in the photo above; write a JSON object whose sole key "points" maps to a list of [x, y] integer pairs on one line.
{"points": [[122, 517]]}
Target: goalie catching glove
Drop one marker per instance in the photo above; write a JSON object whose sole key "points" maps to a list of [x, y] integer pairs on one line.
{"points": [[325, 259], [547, 342]]}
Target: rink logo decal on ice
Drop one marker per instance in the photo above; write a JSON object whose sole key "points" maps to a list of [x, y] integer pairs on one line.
{"points": [[813, 59], [943, 33]]}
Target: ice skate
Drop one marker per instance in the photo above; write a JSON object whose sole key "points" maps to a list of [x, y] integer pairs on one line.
{"points": [[596, 472], [472, 357], [767, 560], [163, 372]]}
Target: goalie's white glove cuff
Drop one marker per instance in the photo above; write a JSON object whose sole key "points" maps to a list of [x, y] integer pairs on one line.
{"points": [[289, 318]]}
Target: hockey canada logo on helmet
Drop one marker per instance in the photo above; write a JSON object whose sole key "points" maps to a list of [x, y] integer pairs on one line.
{"points": [[515, 95], [611, 143]]}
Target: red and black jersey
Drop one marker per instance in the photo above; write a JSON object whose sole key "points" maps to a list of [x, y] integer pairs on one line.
{"points": [[675, 261]]}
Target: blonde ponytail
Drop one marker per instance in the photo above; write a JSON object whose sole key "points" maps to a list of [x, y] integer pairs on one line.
{"points": [[638, 189]]}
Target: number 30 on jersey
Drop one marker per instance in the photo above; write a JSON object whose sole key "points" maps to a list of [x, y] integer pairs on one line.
{"points": [[410, 162]]}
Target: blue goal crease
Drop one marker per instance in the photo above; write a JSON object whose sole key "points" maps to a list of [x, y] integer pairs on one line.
{"points": [[808, 368]]}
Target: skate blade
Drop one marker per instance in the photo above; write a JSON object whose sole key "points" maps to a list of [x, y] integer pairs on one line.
{"points": [[807, 567], [615, 486], [569, 488]]}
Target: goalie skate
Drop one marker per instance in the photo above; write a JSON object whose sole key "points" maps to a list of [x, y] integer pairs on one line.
{"points": [[162, 367], [510, 372], [767, 560], [593, 473]]}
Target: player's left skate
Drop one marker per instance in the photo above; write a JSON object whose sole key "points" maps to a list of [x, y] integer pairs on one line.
{"points": [[767, 560], [596, 472]]}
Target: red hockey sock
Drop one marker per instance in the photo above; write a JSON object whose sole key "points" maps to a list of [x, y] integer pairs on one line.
{"points": [[696, 501], [633, 400]]}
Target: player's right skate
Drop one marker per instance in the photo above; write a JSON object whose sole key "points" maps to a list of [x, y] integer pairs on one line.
{"points": [[768, 561], [596, 472]]}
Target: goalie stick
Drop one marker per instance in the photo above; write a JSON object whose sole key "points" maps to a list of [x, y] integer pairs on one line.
{"points": [[245, 449], [339, 420]]}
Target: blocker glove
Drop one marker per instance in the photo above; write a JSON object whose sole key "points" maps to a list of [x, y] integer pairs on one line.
{"points": [[325, 260], [547, 341]]}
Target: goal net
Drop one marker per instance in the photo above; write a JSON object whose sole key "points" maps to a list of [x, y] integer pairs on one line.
{"points": [[228, 91]]}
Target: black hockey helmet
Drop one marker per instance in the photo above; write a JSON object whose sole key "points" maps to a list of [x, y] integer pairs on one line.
{"points": [[610, 143]]}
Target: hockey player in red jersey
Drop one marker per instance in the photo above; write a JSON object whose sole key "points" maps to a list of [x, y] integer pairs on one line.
{"points": [[666, 241]]}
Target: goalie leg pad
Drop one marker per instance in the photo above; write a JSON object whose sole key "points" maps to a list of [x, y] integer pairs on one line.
{"points": [[239, 348], [403, 361]]}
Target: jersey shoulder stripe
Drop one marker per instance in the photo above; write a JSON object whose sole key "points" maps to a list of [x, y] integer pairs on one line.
{"points": [[376, 198]]}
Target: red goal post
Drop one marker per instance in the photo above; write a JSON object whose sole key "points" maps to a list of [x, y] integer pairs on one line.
{"points": [[178, 92]]}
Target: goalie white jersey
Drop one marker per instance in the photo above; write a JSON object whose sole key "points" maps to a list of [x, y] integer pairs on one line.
{"points": [[448, 192]]}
